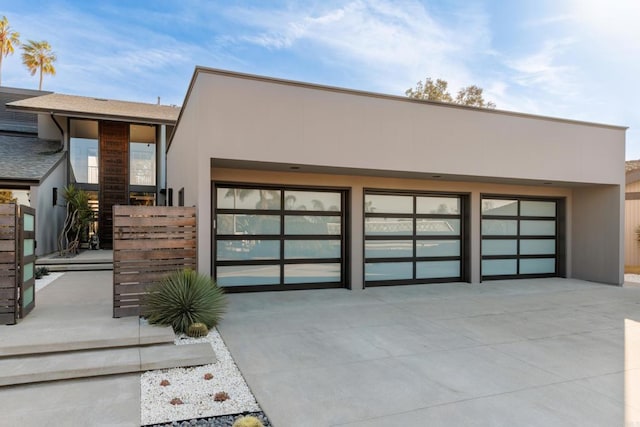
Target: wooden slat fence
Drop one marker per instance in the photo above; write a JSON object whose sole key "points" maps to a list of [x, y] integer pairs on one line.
{"points": [[149, 242], [8, 264]]}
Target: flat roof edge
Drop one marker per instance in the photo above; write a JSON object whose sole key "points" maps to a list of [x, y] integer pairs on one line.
{"points": [[327, 88], [74, 114]]}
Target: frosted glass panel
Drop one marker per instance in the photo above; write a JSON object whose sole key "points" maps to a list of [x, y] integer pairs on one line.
{"points": [[499, 207], [312, 201], [309, 224], [378, 203], [388, 248], [311, 273], [27, 297], [248, 275], [499, 247], [29, 223], [499, 227], [426, 248], [536, 208], [537, 266], [388, 226], [537, 247], [437, 227], [437, 269], [498, 267], [438, 205], [247, 224], [28, 247], [388, 271], [247, 198], [295, 249], [247, 249], [537, 228], [27, 272]]}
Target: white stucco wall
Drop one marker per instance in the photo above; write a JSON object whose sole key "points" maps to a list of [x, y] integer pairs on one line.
{"points": [[249, 119], [49, 218]]}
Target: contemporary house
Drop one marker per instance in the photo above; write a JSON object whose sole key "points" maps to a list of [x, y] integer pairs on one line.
{"points": [[304, 186], [112, 149], [632, 213]]}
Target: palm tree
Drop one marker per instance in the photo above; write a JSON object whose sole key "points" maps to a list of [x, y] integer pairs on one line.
{"points": [[8, 38], [38, 57]]}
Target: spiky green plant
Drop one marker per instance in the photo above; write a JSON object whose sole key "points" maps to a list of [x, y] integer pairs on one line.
{"points": [[248, 421], [182, 298], [197, 330]]}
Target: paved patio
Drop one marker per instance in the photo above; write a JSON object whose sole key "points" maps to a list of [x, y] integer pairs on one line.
{"points": [[546, 352]]}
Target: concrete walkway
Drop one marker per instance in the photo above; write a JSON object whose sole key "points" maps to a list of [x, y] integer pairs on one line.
{"points": [[545, 352]]}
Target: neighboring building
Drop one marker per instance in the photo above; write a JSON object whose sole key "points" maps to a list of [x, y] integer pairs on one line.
{"points": [[30, 167], [303, 186], [632, 213], [112, 149]]}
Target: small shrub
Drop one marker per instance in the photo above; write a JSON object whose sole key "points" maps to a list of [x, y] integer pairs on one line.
{"points": [[208, 376], [248, 421], [176, 401], [183, 298], [41, 271], [165, 383], [221, 396], [197, 330]]}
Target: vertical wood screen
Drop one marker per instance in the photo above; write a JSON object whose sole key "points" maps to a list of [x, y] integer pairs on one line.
{"points": [[149, 242], [8, 265]]}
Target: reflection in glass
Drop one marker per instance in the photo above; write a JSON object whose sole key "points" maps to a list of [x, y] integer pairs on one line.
{"points": [[537, 208], [377, 203], [311, 224], [537, 228], [247, 198], [247, 224], [388, 248], [247, 249], [537, 246], [312, 201], [83, 154], [437, 227], [499, 247], [296, 249], [437, 269], [248, 275], [142, 163], [499, 227], [388, 226], [311, 273], [499, 207], [425, 248], [377, 271], [137, 198], [538, 266], [498, 267], [438, 205]]}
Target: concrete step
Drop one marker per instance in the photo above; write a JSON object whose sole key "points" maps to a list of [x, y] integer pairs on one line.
{"points": [[124, 332], [92, 363], [64, 267]]}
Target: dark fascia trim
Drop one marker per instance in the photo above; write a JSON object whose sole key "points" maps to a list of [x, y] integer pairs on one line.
{"points": [[23, 91], [632, 196], [201, 69], [17, 183]]}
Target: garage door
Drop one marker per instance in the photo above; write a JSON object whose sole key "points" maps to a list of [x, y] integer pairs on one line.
{"points": [[273, 238], [521, 237], [414, 238]]}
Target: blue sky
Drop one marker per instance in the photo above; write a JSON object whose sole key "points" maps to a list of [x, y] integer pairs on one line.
{"points": [[575, 59]]}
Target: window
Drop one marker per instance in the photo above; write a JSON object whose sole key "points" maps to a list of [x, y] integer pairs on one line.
{"points": [[142, 155], [413, 238], [83, 151], [279, 237]]}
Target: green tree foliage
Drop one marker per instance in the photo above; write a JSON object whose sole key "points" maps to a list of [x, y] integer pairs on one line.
{"points": [[437, 91], [8, 40], [39, 58]]}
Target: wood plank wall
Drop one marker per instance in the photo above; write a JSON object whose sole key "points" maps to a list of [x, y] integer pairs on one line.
{"points": [[114, 175], [8, 266], [149, 242]]}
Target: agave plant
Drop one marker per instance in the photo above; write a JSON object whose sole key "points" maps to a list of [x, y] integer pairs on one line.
{"points": [[183, 298]]}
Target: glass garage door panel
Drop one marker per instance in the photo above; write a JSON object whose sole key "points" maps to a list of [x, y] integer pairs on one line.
{"points": [[388, 248], [378, 226], [437, 248], [279, 238], [499, 267], [538, 266], [437, 227], [499, 247], [538, 247], [437, 269], [383, 271], [379, 203]]}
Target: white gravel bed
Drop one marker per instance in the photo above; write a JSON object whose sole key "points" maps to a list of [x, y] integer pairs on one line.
{"points": [[635, 278], [196, 393], [46, 280]]}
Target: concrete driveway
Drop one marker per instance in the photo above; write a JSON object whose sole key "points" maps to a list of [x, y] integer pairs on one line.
{"points": [[544, 352]]}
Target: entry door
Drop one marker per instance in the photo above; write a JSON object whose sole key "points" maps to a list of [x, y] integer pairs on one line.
{"points": [[27, 257]]}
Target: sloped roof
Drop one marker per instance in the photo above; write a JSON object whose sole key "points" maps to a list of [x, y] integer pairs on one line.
{"points": [[87, 107], [17, 121], [26, 157], [631, 165]]}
